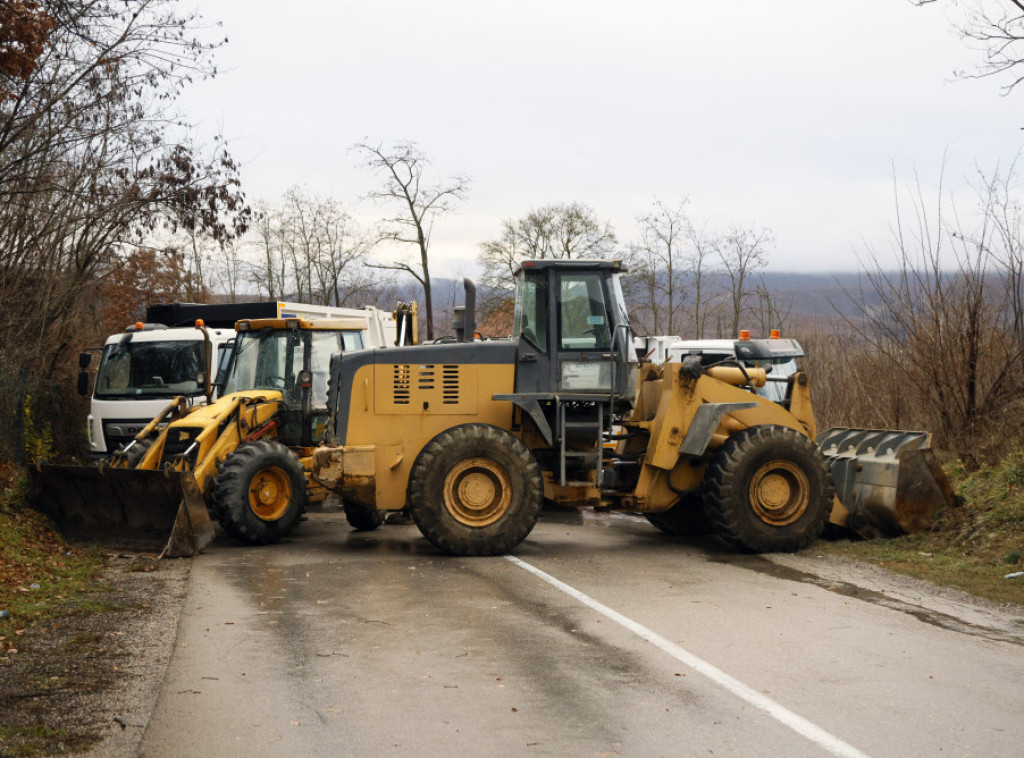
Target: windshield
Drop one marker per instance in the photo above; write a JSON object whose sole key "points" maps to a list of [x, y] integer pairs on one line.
{"points": [[139, 369], [584, 313], [271, 359]]}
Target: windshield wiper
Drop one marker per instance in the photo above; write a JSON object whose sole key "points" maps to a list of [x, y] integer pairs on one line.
{"points": [[256, 338]]}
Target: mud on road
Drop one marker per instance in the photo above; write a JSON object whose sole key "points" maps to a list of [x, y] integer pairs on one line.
{"points": [[88, 681]]}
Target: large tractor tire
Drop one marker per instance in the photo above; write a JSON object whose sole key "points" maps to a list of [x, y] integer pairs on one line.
{"points": [[259, 494], [685, 519], [475, 490], [768, 490], [363, 519]]}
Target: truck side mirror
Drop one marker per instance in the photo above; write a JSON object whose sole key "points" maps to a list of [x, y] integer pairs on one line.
{"points": [[84, 359], [83, 382]]}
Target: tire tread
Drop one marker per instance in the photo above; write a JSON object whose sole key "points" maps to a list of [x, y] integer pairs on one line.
{"points": [[726, 502]]}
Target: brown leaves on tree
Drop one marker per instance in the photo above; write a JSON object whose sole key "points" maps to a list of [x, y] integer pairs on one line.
{"points": [[24, 29], [95, 165], [144, 277]]}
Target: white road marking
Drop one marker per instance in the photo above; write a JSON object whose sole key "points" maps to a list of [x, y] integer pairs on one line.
{"points": [[783, 715]]}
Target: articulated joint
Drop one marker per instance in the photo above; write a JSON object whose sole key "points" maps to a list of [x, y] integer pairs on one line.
{"points": [[349, 471]]}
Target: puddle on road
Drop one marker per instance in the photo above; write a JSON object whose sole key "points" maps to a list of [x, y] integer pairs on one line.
{"points": [[848, 589]]}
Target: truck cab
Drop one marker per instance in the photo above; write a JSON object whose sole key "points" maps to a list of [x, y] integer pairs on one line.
{"points": [[776, 356], [143, 369]]}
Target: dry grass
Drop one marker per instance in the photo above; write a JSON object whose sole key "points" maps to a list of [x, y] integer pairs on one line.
{"points": [[41, 577], [972, 546]]}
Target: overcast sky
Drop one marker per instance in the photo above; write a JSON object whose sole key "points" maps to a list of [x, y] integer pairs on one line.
{"points": [[787, 114]]}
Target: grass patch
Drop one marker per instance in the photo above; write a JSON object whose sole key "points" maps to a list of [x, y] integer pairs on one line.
{"points": [[971, 546], [36, 739], [40, 575], [81, 644]]}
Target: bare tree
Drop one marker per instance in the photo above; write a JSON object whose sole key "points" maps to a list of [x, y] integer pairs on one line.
{"points": [[269, 267], [702, 276], [310, 248], [770, 309], [944, 331], [1006, 213], [400, 170], [996, 29], [565, 230], [660, 254], [229, 272], [337, 261], [742, 253]]}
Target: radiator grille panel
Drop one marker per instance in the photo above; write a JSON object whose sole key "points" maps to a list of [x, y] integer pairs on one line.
{"points": [[450, 385], [402, 384]]}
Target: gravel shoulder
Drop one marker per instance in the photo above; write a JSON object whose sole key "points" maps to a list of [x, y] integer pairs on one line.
{"points": [[930, 603], [89, 681]]}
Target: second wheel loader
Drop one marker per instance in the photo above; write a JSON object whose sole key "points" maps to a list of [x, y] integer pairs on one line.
{"points": [[472, 436]]}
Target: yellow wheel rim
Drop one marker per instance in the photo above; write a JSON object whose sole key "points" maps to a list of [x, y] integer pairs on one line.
{"points": [[270, 494], [780, 493], [477, 492]]}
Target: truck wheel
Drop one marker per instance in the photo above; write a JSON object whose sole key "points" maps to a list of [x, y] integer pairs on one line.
{"points": [[768, 490], [475, 490], [259, 493], [363, 519], [685, 519]]}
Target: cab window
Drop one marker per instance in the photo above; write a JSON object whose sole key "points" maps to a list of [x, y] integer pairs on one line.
{"points": [[583, 313], [530, 320]]}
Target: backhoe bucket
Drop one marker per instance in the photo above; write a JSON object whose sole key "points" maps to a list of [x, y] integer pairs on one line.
{"points": [[887, 481], [136, 507]]}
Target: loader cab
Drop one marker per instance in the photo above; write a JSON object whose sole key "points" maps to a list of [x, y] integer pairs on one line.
{"points": [[572, 330], [575, 365]]}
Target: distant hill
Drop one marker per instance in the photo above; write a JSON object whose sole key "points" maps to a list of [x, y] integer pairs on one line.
{"points": [[821, 294], [803, 295]]}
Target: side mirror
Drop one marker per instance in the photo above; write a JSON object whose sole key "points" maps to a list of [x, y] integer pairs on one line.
{"points": [[83, 382], [84, 359]]}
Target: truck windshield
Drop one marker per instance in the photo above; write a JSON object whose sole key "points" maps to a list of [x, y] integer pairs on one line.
{"points": [[140, 369], [271, 359]]}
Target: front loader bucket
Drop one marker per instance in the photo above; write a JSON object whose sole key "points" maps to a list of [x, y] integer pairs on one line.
{"points": [[123, 506], [887, 481]]}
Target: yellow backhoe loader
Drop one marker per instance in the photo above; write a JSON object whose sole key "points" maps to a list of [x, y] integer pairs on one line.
{"points": [[472, 436], [244, 459]]}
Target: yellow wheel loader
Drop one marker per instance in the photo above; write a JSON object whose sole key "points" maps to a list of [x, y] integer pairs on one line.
{"points": [[244, 459], [472, 436]]}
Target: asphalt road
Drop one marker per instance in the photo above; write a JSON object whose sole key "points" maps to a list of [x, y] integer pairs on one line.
{"points": [[600, 637]]}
